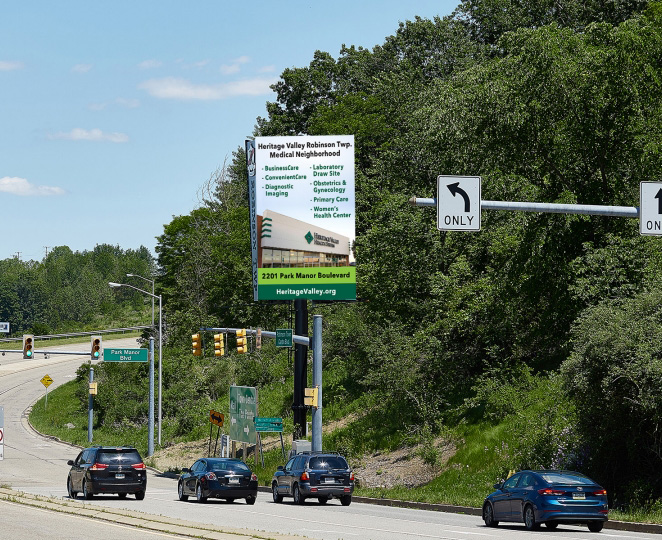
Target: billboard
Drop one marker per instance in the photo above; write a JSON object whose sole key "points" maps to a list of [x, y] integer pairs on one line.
{"points": [[302, 217]]}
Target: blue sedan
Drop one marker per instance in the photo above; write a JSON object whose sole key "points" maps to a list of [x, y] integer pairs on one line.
{"points": [[549, 497]]}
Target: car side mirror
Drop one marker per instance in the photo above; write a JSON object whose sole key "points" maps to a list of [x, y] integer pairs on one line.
{"points": [[498, 486], [70, 462], [280, 468]]}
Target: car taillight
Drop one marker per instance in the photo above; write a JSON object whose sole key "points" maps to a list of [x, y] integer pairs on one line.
{"points": [[210, 476], [98, 467], [351, 476], [305, 476], [550, 491], [139, 466], [253, 477], [600, 492]]}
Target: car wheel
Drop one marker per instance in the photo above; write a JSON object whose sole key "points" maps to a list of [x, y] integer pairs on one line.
{"points": [[298, 499], [180, 491], [140, 495], [530, 518], [122, 495], [87, 494], [488, 516], [70, 489], [198, 494], [323, 500], [250, 499], [551, 525], [595, 526], [278, 498], [346, 500]]}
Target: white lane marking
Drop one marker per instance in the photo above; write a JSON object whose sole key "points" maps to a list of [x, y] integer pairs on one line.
{"points": [[330, 523]]}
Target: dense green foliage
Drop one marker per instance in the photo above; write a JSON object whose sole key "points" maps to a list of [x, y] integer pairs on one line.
{"points": [[67, 291], [537, 338]]}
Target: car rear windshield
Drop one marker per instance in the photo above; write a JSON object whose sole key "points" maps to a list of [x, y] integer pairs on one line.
{"points": [[119, 457], [236, 466], [566, 478], [328, 462]]}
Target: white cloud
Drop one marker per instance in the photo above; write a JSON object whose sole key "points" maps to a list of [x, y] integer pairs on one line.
{"points": [[121, 102], [150, 64], [78, 134], [267, 69], [20, 186], [10, 66], [235, 66], [231, 69], [174, 88], [128, 103], [81, 68]]}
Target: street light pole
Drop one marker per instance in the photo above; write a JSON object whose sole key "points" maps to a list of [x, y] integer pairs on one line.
{"points": [[160, 342], [153, 295]]}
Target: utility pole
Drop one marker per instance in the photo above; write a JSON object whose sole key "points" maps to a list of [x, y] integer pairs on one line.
{"points": [[300, 368]]}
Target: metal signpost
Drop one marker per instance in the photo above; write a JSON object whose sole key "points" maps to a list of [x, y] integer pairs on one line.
{"points": [[265, 424], [46, 381]]}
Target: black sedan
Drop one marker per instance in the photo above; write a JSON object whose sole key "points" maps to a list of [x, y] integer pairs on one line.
{"points": [[219, 478]]}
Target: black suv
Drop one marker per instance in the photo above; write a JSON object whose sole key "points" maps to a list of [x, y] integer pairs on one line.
{"points": [[107, 469], [322, 475]]}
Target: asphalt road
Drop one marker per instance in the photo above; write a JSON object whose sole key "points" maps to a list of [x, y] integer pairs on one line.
{"points": [[37, 465]]}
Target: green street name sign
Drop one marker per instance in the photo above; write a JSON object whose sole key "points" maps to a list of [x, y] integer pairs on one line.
{"points": [[272, 424], [125, 355], [283, 337]]}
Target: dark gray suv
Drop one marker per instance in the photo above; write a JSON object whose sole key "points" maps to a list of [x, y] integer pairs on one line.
{"points": [[107, 469], [314, 474]]}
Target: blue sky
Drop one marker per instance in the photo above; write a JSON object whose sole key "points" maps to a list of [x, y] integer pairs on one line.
{"points": [[114, 114]]}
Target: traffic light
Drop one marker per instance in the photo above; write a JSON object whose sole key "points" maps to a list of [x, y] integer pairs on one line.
{"points": [[219, 346], [96, 348], [242, 346], [196, 344], [27, 346], [258, 339], [311, 396]]}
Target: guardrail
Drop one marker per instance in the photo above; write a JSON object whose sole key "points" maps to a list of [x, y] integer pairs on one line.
{"points": [[80, 334]]}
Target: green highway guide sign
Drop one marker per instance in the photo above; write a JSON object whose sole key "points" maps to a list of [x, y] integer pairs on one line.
{"points": [[243, 410], [125, 355]]}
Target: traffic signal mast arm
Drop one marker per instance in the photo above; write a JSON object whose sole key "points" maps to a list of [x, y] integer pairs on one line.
{"points": [[551, 208], [300, 340]]}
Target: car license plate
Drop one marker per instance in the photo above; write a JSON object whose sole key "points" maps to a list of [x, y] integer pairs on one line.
{"points": [[329, 480], [579, 496], [233, 480], [119, 475]]}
